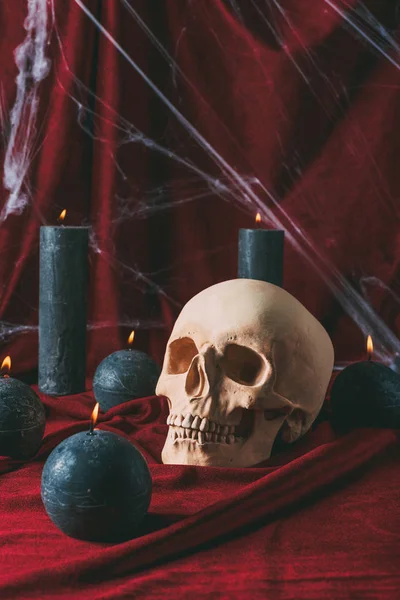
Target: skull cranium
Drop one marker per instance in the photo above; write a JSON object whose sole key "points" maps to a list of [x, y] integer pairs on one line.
{"points": [[245, 359]]}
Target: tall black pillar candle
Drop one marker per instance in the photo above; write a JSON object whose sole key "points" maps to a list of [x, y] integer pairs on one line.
{"points": [[261, 255], [62, 309]]}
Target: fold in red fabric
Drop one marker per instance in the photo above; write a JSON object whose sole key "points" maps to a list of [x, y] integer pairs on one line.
{"points": [[318, 520]]}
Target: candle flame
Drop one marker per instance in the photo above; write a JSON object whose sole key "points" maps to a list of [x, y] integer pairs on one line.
{"points": [[62, 215], [370, 347], [258, 218], [95, 414], [131, 337], [6, 366]]}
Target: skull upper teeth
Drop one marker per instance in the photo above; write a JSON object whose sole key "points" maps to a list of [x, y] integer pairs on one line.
{"points": [[201, 429], [196, 422], [187, 421], [204, 424]]}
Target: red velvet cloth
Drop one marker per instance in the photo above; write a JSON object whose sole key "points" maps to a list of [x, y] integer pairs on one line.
{"points": [[319, 520], [300, 101]]}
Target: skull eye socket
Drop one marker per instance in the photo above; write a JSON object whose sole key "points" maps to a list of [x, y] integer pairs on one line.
{"points": [[180, 354], [243, 365]]}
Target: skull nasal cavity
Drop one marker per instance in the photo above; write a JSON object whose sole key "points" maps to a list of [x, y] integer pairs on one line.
{"points": [[196, 380]]}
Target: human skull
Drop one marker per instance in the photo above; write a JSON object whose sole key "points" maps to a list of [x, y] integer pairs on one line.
{"points": [[245, 359]]}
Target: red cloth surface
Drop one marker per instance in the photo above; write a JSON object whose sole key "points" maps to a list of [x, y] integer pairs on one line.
{"points": [[319, 520], [312, 113]]}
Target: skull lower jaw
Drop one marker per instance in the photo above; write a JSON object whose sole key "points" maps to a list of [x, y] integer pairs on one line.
{"points": [[243, 453], [208, 454]]}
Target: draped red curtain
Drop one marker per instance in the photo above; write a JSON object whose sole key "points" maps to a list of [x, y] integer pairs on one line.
{"points": [[290, 95], [157, 127]]}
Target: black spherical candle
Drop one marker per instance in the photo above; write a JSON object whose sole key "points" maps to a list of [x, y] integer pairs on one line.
{"points": [[22, 419], [123, 376], [366, 394], [96, 486]]}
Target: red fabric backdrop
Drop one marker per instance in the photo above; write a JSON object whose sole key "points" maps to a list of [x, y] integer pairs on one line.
{"points": [[298, 100]]}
